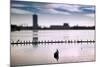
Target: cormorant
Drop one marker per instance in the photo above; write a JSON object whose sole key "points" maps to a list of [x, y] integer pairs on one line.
{"points": [[56, 55]]}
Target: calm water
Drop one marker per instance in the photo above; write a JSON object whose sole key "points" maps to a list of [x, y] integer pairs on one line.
{"points": [[43, 53]]}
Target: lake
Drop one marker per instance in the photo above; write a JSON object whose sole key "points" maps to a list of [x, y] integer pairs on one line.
{"points": [[44, 53]]}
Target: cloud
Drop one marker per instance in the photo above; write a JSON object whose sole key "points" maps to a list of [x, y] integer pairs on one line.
{"points": [[73, 9], [90, 15], [66, 9], [88, 9], [19, 11], [18, 5]]}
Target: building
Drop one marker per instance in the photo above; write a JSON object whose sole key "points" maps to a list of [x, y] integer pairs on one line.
{"points": [[35, 21], [64, 26]]}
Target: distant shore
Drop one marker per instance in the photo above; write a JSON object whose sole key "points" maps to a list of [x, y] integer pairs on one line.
{"points": [[19, 28]]}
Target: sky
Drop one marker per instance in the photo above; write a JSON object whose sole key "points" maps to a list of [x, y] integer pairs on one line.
{"points": [[52, 13]]}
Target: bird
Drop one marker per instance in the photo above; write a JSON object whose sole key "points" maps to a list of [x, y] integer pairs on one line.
{"points": [[18, 41], [56, 55]]}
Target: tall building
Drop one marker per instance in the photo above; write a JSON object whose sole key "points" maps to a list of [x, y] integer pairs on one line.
{"points": [[35, 21]]}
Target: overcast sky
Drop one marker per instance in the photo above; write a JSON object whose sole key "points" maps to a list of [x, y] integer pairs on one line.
{"points": [[52, 14]]}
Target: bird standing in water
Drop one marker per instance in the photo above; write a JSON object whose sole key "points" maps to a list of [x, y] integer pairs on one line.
{"points": [[56, 55]]}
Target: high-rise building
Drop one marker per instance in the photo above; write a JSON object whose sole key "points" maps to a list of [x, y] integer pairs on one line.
{"points": [[35, 21]]}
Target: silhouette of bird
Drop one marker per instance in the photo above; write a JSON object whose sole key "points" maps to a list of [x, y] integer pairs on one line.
{"points": [[18, 41], [56, 55]]}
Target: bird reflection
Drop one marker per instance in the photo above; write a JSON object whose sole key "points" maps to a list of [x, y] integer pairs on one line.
{"points": [[56, 55]]}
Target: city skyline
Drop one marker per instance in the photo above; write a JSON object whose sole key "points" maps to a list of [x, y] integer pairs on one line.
{"points": [[35, 26], [47, 21]]}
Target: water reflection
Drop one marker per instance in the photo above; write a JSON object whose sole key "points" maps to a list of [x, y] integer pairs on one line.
{"points": [[35, 38], [42, 53]]}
